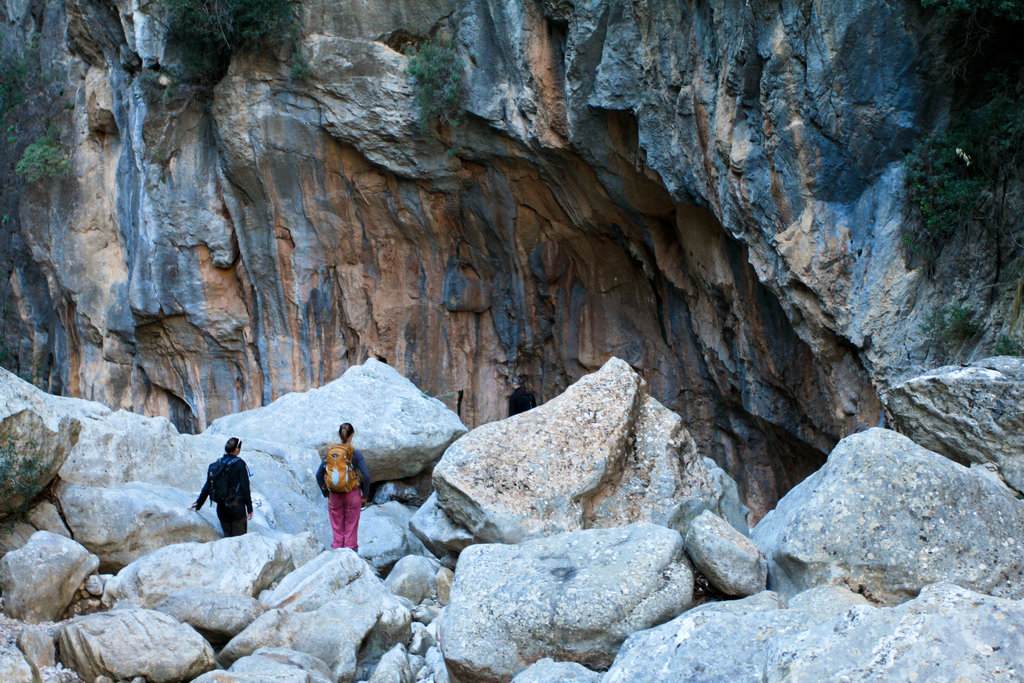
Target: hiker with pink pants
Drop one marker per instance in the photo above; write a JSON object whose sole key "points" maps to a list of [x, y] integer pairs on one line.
{"points": [[345, 481]]}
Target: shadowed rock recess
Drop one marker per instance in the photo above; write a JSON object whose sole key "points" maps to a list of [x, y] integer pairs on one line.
{"points": [[709, 191]]}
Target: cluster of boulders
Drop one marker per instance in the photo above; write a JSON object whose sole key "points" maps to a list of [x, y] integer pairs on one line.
{"points": [[584, 540]]}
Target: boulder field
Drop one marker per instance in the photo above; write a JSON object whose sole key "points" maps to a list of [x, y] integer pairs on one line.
{"points": [[585, 540]]}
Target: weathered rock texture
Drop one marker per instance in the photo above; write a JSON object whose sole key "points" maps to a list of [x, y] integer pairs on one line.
{"points": [[39, 580], [973, 414], [711, 191], [885, 517], [601, 454], [729, 560], [574, 597], [129, 643], [947, 633]]}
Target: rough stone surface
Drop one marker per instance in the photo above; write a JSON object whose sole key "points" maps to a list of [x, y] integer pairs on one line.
{"points": [[729, 560], [399, 430], [886, 517], [242, 565], [122, 524], [14, 667], [34, 442], [548, 670], [385, 537], [602, 454], [273, 664], [37, 646], [40, 579], [45, 517], [828, 633], [445, 577], [432, 525], [332, 575], [393, 667], [333, 633], [973, 414], [218, 617], [127, 643], [574, 597], [413, 577]]}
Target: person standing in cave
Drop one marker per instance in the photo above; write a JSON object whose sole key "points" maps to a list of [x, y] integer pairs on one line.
{"points": [[345, 482], [227, 485], [521, 400]]}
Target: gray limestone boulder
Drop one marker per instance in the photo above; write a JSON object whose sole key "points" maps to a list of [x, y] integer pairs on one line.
{"points": [[730, 561], [548, 670], [128, 643], [333, 633], [413, 577], [39, 580], [885, 517], [432, 525], [122, 524], [399, 429], [273, 665], [14, 667], [827, 633], [37, 646], [724, 641], [575, 596], [35, 440], [243, 565], [973, 414], [14, 534], [385, 537], [393, 667], [602, 454], [332, 575], [44, 516], [218, 617]]}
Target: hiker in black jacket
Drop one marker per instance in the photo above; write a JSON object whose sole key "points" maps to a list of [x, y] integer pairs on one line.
{"points": [[228, 478], [521, 400]]}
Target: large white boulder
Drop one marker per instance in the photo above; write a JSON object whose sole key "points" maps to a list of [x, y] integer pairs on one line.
{"points": [[576, 596], [973, 414], [730, 561], [35, 440], [122, 524], [384, 536], [39, 580], [242, 565], [885, 517], [273, 665], [333, 633], [827, 633], [399, 429], [602, 454], [125, 644], [218, 617]]}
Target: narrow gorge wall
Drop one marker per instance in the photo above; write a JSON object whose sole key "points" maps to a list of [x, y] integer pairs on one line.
{"points": [[710, 191]]}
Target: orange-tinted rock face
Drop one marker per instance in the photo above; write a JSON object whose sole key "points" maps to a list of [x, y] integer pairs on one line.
{"points": [[216, 250]]}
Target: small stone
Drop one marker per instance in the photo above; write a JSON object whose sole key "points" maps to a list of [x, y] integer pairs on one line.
{"points": [[445, 577], [37, 646], [94, 585]]}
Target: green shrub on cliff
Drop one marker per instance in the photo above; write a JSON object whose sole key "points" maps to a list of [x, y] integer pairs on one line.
{"points": [[44, 158], [438, 83], [207, 32]]}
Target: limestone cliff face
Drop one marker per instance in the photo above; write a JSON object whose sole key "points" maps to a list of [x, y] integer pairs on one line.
{"points": [[708, 190]]}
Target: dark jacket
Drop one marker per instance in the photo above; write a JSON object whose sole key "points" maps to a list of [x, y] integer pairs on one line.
{"points": [[520, 401], [238, 475], [360, 464]]}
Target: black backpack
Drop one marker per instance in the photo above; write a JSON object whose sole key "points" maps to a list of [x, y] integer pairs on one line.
{"points": [[225, 484]]}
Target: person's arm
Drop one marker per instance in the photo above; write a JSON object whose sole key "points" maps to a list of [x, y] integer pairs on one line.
{"points": [[198, 505], [320, 474], [243, 472], [364, 474]]}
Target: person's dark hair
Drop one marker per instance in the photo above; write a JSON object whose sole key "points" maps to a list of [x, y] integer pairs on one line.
{"points": [[345, 431], [232, 444]]}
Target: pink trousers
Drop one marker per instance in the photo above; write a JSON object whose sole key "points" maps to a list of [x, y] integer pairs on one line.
{"points": [[343, 509]]}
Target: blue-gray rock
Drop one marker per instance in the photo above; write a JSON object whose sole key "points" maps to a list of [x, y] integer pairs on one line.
{"points": [[273, 665], [574, 596], [413, 577], [384, 536], [128, 643], [730, 561], [39, 580], [218, 617], [548, 670], [885, 517], [973, 414]]}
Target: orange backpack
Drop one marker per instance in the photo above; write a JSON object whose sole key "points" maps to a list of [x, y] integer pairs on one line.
{"points": [[339, 474]]}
